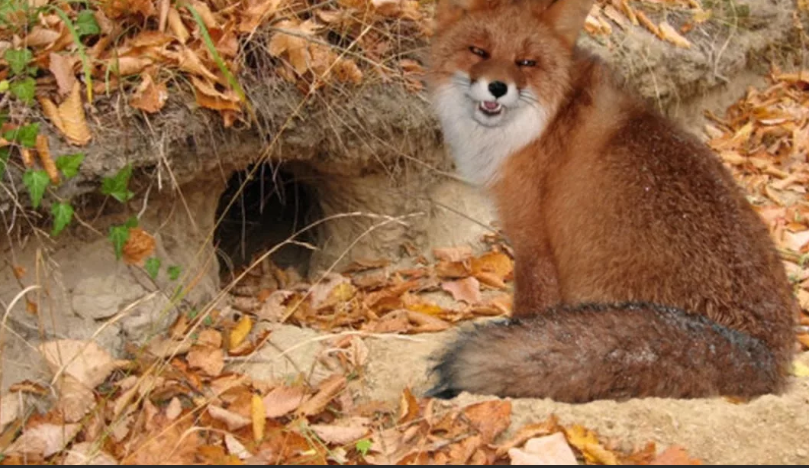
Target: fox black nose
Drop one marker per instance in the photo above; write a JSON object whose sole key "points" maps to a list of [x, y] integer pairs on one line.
{"points": [[498, 88]]}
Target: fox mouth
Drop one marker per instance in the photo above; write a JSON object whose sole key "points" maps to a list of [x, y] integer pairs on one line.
{"points": [[490, 108]]}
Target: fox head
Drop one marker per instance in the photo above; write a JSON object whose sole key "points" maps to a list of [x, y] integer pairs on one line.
{"points": [[499, 70]]}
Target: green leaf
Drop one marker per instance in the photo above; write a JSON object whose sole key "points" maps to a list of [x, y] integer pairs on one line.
{"points": [[117, 186], [62, 215], [86, 24], [24, 90], [363, 446], [4, 86], [119, 235], [153, 267], [174, 272], [18, 60], [4, 154], [37, 182], [208, 321], [69, 164], [25, 135], [192, 314], [132, 222]]}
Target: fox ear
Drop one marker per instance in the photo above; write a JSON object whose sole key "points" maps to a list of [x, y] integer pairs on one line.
{"points": [[567, 17], [450, 11]]}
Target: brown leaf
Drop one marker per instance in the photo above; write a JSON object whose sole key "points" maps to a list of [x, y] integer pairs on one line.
{"points": [[670, 34], [138, 247], [75, 399], [347, 71], [88, 453], [69, 117], [259, 417], [190, 62], [452, 269], [257, 13], [234, 421], [149, 97], [85, 361], [177, 27], [61, 66], [45, 439], [408, 407], [342, 431], [9, 410], [467, 290], [327, 390], [675, 455], [530, 431], [125, 66], [426, 323], [453, 254], [210, 337], [165, 347], [210, 360], [174, 409], [490, 418], [44, 152], [648, 24], [236, 448], [273, 308], [41, 37], [548, 450], [283, 400]]}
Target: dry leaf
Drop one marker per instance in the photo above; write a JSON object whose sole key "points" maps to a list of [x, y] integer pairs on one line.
{"points": [[125, 66], [166, 347], [45, 439], [530, 431], [41, 37], [674, 455], [256, 14], [234, 421], [342, 431], [283, 400], [177, 27], [273, 308], [240, 332], [327, 390], [490, 418], [587, 443], [85, 361], [9, 409], [138, 247], [408, 407], [75, 399], [236, 448], [87, 453], [259, 417], [453, 254], [467, 290], [210, 337], [210, 360], [44, 152], [149, 97], [61, 66], [548, 450], [189, 62], [648, 24], [671, 35], [69, 117]]}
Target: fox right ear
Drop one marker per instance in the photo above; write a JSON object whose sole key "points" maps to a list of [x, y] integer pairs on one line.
{"points": [[450, 11], [567, 17]]}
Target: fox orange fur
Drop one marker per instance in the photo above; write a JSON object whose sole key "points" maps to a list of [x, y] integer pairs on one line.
{"points": [[640, 268]]}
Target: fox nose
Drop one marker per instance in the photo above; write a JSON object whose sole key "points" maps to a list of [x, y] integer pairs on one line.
{"points": [[498, 89]]}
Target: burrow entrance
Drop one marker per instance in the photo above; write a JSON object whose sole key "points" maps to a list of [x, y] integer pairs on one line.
{"points": [[276, 202]]}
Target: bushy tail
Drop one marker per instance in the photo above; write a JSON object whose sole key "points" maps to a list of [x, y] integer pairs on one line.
{"points": [[608, 352]]}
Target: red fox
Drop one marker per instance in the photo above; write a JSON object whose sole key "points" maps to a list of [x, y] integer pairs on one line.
{"points": [[640, 268]]}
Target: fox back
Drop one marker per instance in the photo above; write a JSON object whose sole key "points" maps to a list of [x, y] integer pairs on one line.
{"points": [[636, 254]]}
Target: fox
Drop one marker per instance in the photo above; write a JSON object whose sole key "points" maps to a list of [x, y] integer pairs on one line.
{"points": [[641, 269]]}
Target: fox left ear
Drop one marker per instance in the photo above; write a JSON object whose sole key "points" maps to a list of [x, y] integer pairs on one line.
{"points": [[567, 17], [449, 11]]}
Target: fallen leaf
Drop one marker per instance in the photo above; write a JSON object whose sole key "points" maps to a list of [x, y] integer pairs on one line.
{"points": [[61, 66], [327, 390], [210, 337], [210, 360], [85, 361], [149, 97], [283, 400], [163, 347], [259, 417], [234, 421], [177, 27], [41, 37], [342, 432], [800, 369], [453, 254], [44, 152], [9, 409], [256, 14], [490, 418], [587, 443], [466, 290], [408, 407], [87, 453], [138, 247], [674, 455], [45, 439], [548, 450], [240, 332], [236, 448], [75, 399], [69, 117]]}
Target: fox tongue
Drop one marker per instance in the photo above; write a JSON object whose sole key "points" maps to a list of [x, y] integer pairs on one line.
{"points": [[490, 105]]}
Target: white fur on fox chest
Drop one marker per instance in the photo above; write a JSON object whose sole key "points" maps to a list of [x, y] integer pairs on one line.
{"points": [[480, 151]]}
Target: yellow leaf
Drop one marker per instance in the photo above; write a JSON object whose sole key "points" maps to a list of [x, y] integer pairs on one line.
{"points": [[240, 331], [800, 369], [424, 308], [258, 413], [587, 443]]}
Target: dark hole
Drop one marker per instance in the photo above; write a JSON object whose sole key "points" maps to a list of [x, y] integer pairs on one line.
{"points": [[274, 204]]}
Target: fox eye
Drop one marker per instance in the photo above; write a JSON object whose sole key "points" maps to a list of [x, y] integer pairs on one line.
{"points": [[479, 52], [526, 63]]}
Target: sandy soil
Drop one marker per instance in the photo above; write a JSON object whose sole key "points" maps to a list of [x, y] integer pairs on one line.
{"points": [[768, 430]]}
